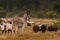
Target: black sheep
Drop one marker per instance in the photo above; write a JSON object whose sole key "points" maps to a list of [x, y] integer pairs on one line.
{"points": [[55, 28], [43, 27], [35, 28], [52, 28], [28, 24], [49, 28]]}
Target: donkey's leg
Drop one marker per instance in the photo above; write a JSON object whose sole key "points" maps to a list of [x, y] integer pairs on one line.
{"points": [[16, 29], [22, 29]]}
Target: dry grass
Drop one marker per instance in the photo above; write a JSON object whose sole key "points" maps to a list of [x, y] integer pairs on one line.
{"points": [[30, 35]]}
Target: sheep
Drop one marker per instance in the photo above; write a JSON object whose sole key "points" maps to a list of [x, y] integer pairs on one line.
{"points": [[39, 27], [3, 20], [9, 27], [52, 28], [2, 25], [3, 28], [6, 25], [30, 22], [55, 28], [43, 27], [36, 28]]}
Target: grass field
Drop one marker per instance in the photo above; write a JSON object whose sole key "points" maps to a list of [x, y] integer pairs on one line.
{"points": [[30, 35]]}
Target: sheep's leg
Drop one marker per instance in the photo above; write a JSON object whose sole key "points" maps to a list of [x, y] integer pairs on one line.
{"points": [[2, 31], [5, 31], [9, 30]]}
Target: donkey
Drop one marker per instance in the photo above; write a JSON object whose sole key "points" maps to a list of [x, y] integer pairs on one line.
{"points": [[20, 22]]}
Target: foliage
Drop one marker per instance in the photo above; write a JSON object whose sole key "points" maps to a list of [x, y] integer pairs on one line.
{"points": [[2, 12], [57, 24], [38, 8]]}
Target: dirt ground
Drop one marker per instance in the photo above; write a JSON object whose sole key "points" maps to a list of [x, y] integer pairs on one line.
{"points": [[29, 34]]}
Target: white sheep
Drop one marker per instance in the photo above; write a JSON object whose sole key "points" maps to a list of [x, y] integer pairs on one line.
{"points": [[31, 22], [2, 27], [9, 27]]}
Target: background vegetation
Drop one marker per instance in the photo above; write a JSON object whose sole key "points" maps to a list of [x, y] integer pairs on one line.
{"points": [[37, 8]]}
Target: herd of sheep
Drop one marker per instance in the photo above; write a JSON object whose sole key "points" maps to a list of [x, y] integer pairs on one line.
{"points": [[43, 27], [8, 26]]}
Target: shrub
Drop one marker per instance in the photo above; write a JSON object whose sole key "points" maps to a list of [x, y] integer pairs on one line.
{"points": [[57, 24], [2, 12]]}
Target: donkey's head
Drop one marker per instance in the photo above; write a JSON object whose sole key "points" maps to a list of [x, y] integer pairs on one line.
{"points": [[26, 16]]}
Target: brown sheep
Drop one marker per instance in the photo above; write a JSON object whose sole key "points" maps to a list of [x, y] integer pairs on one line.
{"points": [[43, 28], [36, 28], [52, 28]]}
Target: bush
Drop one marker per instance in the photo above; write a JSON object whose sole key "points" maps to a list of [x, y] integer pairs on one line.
{"points": [[10, 14], [58, 25], [2, 12]]}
